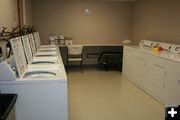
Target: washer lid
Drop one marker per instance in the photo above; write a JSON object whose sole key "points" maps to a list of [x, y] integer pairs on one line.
{"points": [[37, 40], [19, 56], [27, 48], [32, 43]]}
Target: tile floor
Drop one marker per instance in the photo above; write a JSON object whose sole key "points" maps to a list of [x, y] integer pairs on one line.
{"points": [[106, 95]]}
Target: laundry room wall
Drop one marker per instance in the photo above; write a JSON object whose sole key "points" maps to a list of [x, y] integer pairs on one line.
{"points": [[8, 13], [28, 12], [157, 20], [108, 23]]}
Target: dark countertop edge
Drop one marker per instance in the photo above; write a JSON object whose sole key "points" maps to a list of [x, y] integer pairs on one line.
{"points": [[88, 45], [11, 105]]}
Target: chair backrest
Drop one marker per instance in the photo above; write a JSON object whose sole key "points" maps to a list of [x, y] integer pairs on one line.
{"points": [[75, 49]]}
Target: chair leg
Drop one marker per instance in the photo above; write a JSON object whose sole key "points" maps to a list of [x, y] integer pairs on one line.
{"points": [[81, 65]]}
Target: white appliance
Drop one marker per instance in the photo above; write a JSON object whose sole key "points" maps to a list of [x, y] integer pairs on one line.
{"points": [[42, 91], [38, 43], [35, 50], [157, 73], [39, 98], [38, 60]]}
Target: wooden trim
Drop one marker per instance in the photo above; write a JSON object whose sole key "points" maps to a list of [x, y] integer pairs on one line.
{"points": [[20, 15]]}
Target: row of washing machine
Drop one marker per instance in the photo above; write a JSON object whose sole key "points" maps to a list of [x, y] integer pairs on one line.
{"points": [[36, 73]]}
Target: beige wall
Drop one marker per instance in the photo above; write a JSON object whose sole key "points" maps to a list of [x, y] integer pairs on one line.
{"points": [[28, 11], [110, 22], [8, 13], [156, 20]]}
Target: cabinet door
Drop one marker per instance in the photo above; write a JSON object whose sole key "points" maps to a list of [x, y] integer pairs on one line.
{"points": [[173, 85], [177, 89], [128, 64], [156, 79], [173, 90], [141, 69]]}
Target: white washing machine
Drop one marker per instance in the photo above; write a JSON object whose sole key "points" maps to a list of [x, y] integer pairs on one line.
{"points": [[37, 60], [41, 88], [42, 94], [38, 43], [35, 50], [42, 91]]}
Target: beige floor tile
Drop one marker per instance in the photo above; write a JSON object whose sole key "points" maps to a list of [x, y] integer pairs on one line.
{"points": [[106, 95]]}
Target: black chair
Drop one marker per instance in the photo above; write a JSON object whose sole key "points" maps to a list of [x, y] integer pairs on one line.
{"points": [[109, 59]]}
